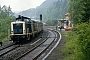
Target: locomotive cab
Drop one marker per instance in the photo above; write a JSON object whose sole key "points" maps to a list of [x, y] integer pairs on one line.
{"points": [[20, 29], [17, 31]]}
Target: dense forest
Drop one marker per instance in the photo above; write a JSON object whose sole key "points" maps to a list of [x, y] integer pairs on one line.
{"points": [[51, 11], [78, 43]]}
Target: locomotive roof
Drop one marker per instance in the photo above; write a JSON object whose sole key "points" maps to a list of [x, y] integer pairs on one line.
{"points": [[36, 21], [26, 19], [22, 18]]}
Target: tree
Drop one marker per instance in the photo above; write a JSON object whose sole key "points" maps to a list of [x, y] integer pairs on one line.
{"points": [[79, 10], [6, 17], [54, 22], [5, 12], [9, 12], [49, 22]]}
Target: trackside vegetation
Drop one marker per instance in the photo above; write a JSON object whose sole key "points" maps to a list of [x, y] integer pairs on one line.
{"points": [[6, 17], [78, 43], [78, 40]]}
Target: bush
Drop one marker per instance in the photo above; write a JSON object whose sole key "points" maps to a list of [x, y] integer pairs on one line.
{"points": [[78, 43]]}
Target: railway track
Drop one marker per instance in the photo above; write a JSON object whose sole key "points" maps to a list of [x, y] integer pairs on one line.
{"points": [[32, 50], [36, 53], [8, 49], [4, 46]]}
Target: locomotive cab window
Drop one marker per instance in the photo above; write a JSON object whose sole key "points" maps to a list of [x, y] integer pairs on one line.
{"points": [[18, 28]]}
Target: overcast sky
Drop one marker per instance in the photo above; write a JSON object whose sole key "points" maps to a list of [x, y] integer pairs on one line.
{"points": [[20, 5]]}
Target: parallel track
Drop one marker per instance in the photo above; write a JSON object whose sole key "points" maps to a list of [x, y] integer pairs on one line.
{"points": [[6, 45], [34, 54], [8, 49], [30, 51]]}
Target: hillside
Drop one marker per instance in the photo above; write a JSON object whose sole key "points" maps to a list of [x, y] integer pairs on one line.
{"points": [[49, 9], [48, 3]]}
